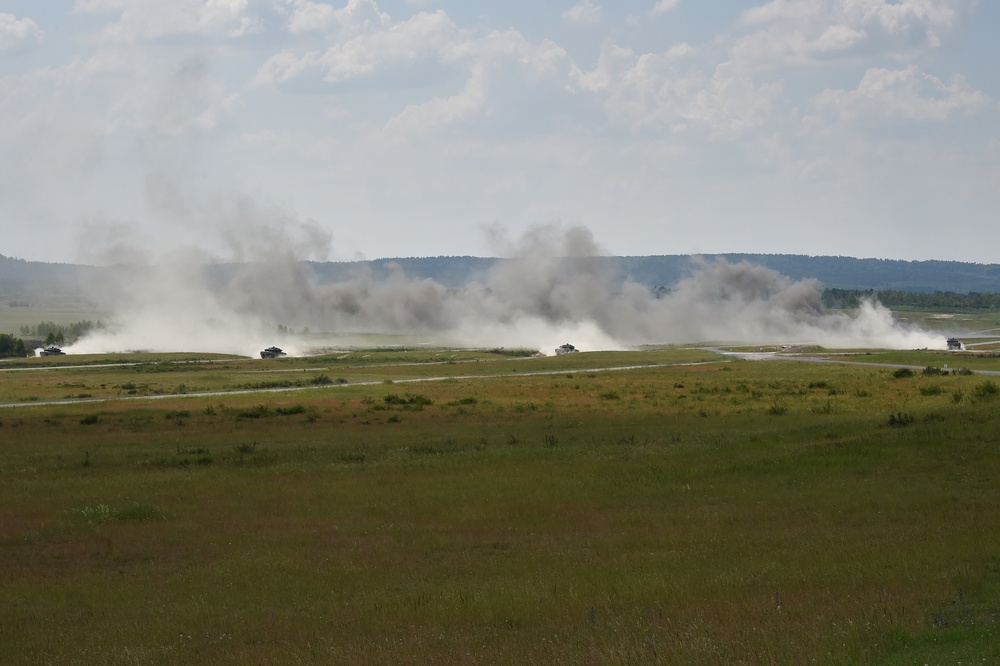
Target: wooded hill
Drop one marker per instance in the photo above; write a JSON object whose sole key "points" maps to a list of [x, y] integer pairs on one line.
{"points": [[30, 279], [668, 270]]}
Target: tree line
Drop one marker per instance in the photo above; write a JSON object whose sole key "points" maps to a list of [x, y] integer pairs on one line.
{"points": [[11, 346], [896, 298], [51, 333], [58, 334]]}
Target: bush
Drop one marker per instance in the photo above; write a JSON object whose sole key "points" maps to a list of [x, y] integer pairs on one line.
{"points": [[902, 373], [11, 346], [987, 389], [900, 420], [410, 399], [257, 412]]}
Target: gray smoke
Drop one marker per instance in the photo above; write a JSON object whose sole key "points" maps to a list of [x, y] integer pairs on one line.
{"points": [[552, 287]]}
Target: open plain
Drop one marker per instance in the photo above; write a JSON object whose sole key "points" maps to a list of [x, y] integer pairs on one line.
{"points": [[394, 505]]}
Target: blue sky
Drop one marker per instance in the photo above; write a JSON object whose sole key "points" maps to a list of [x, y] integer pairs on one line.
{"points": [[376, 128]]}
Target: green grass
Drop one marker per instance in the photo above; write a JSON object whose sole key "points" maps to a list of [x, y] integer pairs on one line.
{"points": [[728, 512], [61, 311]]}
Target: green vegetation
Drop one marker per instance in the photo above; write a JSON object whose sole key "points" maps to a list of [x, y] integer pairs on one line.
{"points": [[60, 333], [940, 301], [693, 509], [11, 347]]}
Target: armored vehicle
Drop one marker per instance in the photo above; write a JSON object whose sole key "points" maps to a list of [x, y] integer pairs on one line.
{"points": [[566, 349], [272, 352], [51, 351]]}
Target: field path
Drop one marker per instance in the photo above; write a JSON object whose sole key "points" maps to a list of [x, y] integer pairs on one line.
{"points": [[411, 380], [750, 356]]}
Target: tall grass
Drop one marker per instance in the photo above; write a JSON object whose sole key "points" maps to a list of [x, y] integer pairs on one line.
{"points": [[682, 521]]}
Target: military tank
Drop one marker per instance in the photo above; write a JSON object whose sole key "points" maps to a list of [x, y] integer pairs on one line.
{"points": [[272, 352], [52, 351], [566, 349]]}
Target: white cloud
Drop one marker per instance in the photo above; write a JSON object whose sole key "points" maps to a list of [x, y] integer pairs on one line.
{"points": [[664, 6], [356, 17], [499, 60], [153, 19], [495, 65], [426, 36], [649, 92], [904, 93], [800, 32], [584, 12], [17, 34], [420, 119]]}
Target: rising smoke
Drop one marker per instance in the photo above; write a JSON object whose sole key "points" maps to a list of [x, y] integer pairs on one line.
{"points": [[553, 287]]}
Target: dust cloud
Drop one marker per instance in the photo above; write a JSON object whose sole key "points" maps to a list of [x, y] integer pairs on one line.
{"points": [[552, 286]]}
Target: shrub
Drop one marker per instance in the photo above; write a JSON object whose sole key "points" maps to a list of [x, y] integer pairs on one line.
{"points": [[321, 380], [410, 399], [900, 420], [517, 353], [259, 411], [90, 420], [902, 373], [246, 448], [987, 389]]}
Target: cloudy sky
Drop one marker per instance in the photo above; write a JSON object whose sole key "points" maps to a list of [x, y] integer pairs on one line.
{"points": [[382, 128]]}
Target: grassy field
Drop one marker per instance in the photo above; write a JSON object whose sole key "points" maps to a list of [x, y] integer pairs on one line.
{"points": [[59, 311], [443, 506]]}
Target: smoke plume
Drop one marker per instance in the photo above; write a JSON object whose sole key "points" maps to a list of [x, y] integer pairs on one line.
{"points": [[553, 286]]}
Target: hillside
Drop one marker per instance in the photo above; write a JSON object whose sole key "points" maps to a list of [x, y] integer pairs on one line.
{"points": [[667, 270], [32, 280]]}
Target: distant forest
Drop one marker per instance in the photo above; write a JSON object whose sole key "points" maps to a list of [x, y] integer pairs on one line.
{"points": [[913, 300], [668, 270], [896, 283]]}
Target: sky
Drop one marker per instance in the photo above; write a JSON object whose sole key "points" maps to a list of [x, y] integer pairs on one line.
{"points": [[365, 129]]}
